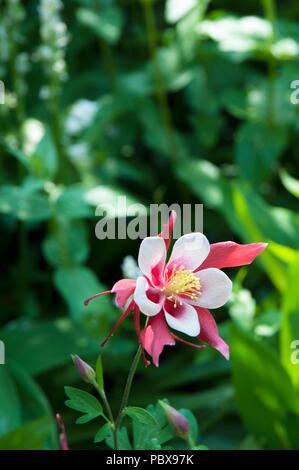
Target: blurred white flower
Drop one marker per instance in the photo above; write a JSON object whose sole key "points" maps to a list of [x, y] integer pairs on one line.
{"points": [[81, 116]]}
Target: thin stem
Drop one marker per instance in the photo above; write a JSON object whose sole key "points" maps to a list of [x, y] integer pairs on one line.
{"points": [[108, 410], [127, 390]]}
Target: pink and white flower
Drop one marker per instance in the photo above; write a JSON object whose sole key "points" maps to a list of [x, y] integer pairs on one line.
{"points": [[177, 293]]}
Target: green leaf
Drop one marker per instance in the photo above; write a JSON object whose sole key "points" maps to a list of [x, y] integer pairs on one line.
{"points": [[68, 244], [71, 203], [30, 436], [30, 344], [103, 433], [84, 402], [10, 409], [290, 183], [151, 436], [34, 402], [264, 393], [258, 149], [122, 439], [107, 24], [25, 205], [76, 284], [99, 373], [19, 155], [290, 323], [45, 158], [141, 415]]}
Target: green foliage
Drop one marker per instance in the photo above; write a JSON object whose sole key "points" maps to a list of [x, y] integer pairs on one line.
{"points": [[162, 102], [264, 393], [84, 402], [103, 433], [140, 415]]}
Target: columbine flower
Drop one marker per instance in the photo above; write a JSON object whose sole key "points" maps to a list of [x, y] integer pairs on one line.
{"points": [[177, 293]]}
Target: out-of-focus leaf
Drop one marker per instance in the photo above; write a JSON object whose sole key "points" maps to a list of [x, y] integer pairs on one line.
{"points": [[72, 205], [258, 148], [76, 284], [107, 23], [290, 183], [45, 345], [68, 244], [10, 410], [114, 201], [282, 252], [290, 322], [264, 393], [19, 155], [24, 205], [30, 436], [45, 159]]}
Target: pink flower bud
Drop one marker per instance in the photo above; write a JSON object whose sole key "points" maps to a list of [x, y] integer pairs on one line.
{"points": [[176, 419], [87, 373], [62, 436]]}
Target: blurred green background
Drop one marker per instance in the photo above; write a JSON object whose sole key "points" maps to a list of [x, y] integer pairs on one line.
{"points": [[161, 101]]}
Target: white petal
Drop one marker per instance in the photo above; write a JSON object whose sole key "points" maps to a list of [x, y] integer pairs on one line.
{"points": [[184, 319], [144, 303], [190, 250], [215, 287], [152, 251]]}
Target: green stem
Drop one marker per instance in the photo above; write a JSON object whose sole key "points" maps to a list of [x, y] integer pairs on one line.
{"points": [[108, 409], [127, 390]]}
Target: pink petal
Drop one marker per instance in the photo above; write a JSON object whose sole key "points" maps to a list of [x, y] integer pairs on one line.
{"points": [[229, 254], [215, 288], [152, 252], [182, 318], [209, 332], [190, 251], [167, 230], [123, 289], [148, 299], [157, 274], [155, 336]]}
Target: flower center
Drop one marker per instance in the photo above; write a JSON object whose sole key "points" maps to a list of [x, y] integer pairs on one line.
{"points": [[181, 282]]}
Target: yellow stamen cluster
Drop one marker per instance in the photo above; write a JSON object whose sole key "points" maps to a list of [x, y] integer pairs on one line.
{"points": [[181, 282]]}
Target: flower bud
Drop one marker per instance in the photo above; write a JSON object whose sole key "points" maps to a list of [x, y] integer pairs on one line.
{"points": [[176, 419], [62, 435], [87, 373]]}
